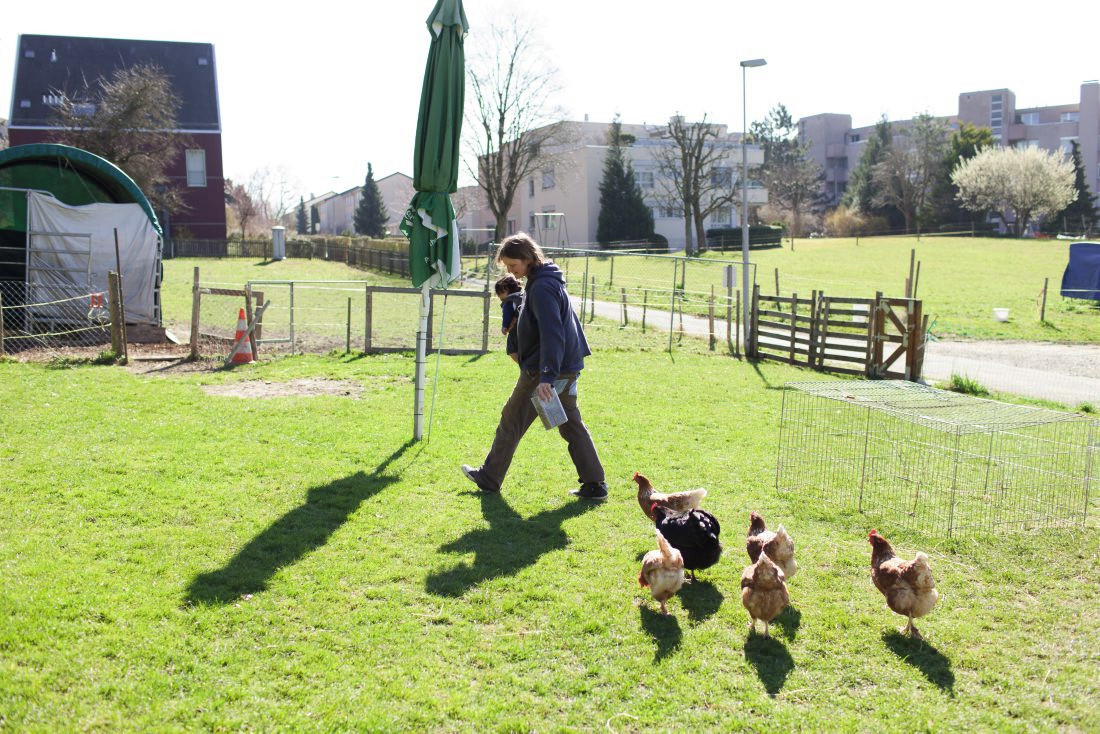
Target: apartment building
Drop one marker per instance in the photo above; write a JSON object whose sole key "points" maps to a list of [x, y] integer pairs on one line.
{"points": [[560, 204], [336, 212], [837, 146]]}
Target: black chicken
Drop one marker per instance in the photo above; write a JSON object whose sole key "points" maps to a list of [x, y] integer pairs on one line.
{"points": [[694, 533]]}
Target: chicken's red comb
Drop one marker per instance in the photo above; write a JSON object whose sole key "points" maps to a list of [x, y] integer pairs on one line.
{"points": [[872, 534], [635, 475]]}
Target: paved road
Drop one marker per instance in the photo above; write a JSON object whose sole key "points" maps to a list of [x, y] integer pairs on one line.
{"points": [[1064, 373]]}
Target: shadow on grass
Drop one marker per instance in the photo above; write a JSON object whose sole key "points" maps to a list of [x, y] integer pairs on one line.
{"points": [[296, 533], [510, 543], [769, 657], [755, 364], [701, 600], [789, 620], [924, 657], [665, 632]]}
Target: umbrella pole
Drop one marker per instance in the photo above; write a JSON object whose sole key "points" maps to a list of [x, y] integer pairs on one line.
{"points": [[421, 359]]}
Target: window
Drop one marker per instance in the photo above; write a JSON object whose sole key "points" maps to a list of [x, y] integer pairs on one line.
{"points": [[1067, 146], [839, 163], [1022, 144], [203, 61], [84, 109], [511, 226], [853, 138], [548, 178], [530, 187], [1029, 118], [1070, 117], [721, 176], [29, 53], [644, 180], [531, 225], [196, 167], [670, 212], [550, 222], [53, 100], [721, 215]]}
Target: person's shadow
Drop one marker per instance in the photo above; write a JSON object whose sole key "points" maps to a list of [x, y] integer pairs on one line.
{"points": [[771, 660], [664, 630], [510, 543], [924, 657], [303, 529]]}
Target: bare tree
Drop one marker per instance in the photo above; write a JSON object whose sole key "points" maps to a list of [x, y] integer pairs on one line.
{"points": [[696, 176], [241, 204], [272, 193], [513, 126], [128, 119], [792, 178], [906, 177]]}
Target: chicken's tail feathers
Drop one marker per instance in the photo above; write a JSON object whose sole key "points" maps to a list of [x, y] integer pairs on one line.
{"points": [[641, 579], [922, 573]]}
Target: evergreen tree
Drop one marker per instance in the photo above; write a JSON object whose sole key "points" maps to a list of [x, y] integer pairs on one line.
{"points": [[370, 215], [314, 219], [964, 145], [624, 215], [861, 189], [1079, 217], [303, 224]]}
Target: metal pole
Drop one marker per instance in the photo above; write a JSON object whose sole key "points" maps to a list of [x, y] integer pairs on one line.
{"points": [[745, 184]]}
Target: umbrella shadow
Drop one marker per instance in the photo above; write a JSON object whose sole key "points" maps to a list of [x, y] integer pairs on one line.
{"points": [[509, 544], [701, 599], [923, 656], [665, 631], [770, 659], [301, 530], [789, 620]]}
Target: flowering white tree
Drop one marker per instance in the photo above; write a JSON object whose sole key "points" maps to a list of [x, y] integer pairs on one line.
{"points": [[1028, 182]]}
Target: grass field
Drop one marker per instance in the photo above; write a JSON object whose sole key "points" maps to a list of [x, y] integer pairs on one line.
{"points": [[176, 559], [961, 280]]}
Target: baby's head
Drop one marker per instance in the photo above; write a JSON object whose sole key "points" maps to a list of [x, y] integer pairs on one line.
{"points": [[506, 285]]}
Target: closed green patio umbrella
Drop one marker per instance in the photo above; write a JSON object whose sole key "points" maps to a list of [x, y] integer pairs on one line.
{"points": [[429, 222]]}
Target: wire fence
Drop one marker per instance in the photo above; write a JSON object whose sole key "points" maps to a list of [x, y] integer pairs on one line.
{"points": [[51, 318]]}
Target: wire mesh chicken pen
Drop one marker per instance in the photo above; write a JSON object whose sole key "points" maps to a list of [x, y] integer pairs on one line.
{"points": [[936, 461]]}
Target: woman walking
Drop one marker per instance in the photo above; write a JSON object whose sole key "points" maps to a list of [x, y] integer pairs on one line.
{"points": [[552, 349]]}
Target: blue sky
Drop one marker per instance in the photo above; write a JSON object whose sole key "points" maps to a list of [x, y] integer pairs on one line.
{"points": [[315, 94]]}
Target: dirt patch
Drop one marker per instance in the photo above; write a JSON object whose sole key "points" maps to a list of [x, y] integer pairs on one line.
{"points": [[304, 387]]}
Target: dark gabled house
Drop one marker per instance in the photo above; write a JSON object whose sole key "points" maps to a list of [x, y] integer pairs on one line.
{"points": [[45, 65]]}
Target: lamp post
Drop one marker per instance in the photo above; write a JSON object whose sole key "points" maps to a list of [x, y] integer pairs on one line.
{"points": [[745, 201]]}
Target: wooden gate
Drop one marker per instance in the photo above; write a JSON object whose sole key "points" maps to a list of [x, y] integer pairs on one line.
{"points": [[858, 336]]}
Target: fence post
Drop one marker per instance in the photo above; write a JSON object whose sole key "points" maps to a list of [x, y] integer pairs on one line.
{"points": [[485, 324], [738, 329], [909, 280], [729, 316], [1043, 308], [196, 295], [347, 342], [672, 305], [794, 325], [645, 299], [611, 279], [710, 318], [811, 352], [592, 301], [777, 281], [752, 348], [293, 343], [369, 303], [248, 316], [877, 322], [624, 305], [1, 324], [116, 313]]}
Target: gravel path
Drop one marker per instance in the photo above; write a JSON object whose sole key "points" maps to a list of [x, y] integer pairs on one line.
{"points": [[1063, 373]]}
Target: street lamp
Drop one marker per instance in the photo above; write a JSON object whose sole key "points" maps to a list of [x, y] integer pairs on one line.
{"points": [[745, 201]]}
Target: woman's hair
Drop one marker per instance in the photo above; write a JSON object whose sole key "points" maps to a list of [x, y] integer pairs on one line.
{"points": [[507, 284], [521, 246]]}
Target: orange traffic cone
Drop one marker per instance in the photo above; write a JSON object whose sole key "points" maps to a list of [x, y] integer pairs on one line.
{"points": [[243, 353]]}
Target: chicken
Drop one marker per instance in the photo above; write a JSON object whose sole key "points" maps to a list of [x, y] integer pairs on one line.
{"points": [[764, 591], [662, 571], [907, 585], [778, 545], [694, 533], [676, 501]]}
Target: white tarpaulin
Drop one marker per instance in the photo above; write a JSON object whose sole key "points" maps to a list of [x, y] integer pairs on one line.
{"points": [[70, 249]]}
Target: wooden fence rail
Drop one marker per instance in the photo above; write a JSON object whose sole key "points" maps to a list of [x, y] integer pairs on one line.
{"points": [[876, 337]]}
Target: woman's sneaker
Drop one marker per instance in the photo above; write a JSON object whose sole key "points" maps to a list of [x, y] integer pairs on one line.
{"points": [[474, 475], [591, 491]]}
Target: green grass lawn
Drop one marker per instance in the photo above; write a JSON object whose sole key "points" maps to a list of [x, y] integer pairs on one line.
{"points": [[961, 280], [172, 559]]}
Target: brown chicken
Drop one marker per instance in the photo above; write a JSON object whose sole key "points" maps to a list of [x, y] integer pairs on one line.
{"points": [[777, 544], [907, 585], [675, 501], [764, 591], [662, 571]]}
